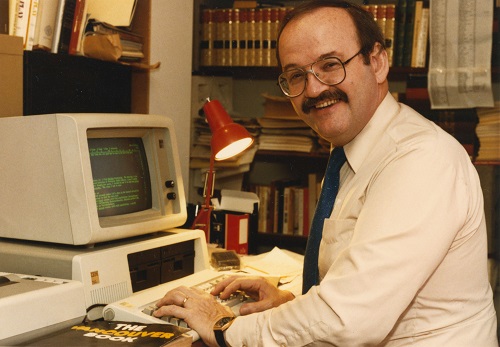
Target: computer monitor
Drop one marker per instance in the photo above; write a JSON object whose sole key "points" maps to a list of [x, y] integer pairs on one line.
{"points": [[82, 179]]}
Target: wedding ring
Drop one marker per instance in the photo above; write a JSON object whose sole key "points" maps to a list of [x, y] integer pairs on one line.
{"points": [[184, 301]]}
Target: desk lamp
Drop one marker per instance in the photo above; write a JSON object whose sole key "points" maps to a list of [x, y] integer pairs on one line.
{"points": [[228, 139]]}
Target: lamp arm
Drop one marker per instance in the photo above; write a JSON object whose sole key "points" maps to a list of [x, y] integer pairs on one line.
{"points": [[202, 219]]}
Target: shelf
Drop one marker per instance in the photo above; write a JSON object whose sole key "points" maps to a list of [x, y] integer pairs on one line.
{"points": [[293, 243], [271, 72], [487, 162], [291, 154]]}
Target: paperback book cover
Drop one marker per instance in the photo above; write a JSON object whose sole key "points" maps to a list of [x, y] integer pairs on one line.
{"points": [[104, 333]]}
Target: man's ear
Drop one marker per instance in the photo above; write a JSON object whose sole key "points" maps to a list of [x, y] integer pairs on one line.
{"points": [[379, 62]]}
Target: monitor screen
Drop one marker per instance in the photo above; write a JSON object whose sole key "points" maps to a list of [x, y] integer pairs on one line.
{"points": [[120, 174]]}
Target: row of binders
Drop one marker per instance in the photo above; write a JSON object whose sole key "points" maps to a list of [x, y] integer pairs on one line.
{"points": [[62, 26], [247, 36]]}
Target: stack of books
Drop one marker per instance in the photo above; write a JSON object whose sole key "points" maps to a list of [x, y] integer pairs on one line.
{"points": [[488, 131], [282, 129]]}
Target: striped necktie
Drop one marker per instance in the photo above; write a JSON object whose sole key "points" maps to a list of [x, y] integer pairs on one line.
{"points": [[324, 208]]}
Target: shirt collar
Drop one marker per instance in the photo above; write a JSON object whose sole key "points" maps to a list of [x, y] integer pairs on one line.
{"points": [[359, 148]]}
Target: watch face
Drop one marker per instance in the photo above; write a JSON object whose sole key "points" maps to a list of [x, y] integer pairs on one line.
{"points": [[223, 321]]}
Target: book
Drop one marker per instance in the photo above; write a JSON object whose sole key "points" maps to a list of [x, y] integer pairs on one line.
{"points": [[104, 333], [21, 19], [58, 26], [30, 33], [237, 229], [66, 26], [419, 5], [78, 27], [207, 38], [45, 24], [409, 29], [314, 188], [487, 131], [288, 211], [400, 33], [390, 32], [419, 56]]}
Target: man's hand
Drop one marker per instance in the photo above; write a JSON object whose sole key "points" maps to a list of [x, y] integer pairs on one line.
{"points": [[198, 309], [264, 293]]}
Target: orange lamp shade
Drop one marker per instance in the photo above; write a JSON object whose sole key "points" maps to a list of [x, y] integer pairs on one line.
{"points": [[228, 138]]}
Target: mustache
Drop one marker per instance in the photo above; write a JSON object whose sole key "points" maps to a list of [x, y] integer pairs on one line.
{"points": [[310, 103]]}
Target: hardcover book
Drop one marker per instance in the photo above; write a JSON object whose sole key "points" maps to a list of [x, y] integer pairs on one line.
{"points": [[103, 333]]}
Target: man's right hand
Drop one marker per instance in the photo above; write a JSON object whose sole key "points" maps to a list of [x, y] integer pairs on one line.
{"points": [[263, 292]]}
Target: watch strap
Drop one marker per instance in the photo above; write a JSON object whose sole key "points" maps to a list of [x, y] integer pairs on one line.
{"points": [[219, 337]]}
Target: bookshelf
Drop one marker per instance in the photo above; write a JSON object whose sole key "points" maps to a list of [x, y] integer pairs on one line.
{"points": [[257, 76], [71, 83]]}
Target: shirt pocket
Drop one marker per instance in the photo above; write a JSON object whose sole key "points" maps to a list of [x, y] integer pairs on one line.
{"points": [[337, 235]]}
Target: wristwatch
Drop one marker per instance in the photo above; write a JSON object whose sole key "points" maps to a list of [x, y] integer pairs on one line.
{"points": [[219, 327]]}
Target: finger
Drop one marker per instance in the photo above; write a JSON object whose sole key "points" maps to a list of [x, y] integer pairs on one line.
{"points": [[170, 310], [253, 307], [219, 287], [176, 296]]}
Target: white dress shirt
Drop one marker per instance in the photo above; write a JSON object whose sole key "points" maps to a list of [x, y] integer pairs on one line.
{"points": [[403, 259]]}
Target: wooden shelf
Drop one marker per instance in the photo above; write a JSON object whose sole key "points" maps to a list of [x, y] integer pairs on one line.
{"points": [[271, 72]]}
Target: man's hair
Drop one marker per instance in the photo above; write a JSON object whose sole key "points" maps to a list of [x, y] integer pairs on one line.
{"points": [[368, 32]]}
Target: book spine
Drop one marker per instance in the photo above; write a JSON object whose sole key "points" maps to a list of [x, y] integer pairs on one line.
{"points": [[409, 26], [275, 23], [298, 203], [226, 36], [58, 26], [207, 38], [78, 18], [381, 13], [30, 34], [416, 27], [235, 37], [306, 214], [66, 26], [243, 32], [422, 40], [21, 19], [257, 45], [266, 36], [45, 24], [400, 33], [390, 26], [251, 37], [219, 38]]}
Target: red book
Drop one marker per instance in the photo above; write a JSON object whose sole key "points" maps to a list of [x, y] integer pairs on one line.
{"points": [[237, 226], [78, 27]]}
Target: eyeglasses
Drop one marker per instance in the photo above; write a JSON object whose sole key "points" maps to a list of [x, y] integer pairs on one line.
{"points": [[330, 71]]}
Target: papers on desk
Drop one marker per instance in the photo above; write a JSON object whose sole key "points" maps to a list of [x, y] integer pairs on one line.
{"points": [[277, 263]]}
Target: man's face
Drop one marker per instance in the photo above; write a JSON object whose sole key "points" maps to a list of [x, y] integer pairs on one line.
{"points": [[338, 113]]}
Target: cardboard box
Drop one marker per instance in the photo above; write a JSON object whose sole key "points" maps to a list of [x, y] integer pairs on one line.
{"points": [[11, 76]]}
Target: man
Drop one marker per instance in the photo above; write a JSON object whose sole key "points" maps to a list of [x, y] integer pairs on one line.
{"points": [[402, 260]]}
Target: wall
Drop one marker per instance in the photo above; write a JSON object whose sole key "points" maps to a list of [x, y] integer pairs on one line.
{"points": [[170, 85]]}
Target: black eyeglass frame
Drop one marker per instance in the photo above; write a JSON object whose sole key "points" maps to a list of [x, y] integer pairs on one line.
{"points": [[311, 71]]}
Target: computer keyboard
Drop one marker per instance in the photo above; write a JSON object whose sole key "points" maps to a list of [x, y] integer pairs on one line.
{"points": [[140, 306]]}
